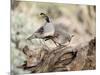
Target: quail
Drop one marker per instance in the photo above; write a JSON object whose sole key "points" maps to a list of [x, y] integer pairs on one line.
{"points": [[46, 31], [50, 32]]}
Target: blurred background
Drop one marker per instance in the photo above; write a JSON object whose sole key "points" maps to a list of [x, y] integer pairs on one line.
{"points": [[79, 20]]}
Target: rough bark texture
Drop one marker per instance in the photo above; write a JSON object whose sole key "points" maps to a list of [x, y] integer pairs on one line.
{"points": [[65, 58]]}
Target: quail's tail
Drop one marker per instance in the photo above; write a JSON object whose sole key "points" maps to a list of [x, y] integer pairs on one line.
{"points": [[31, 37]]}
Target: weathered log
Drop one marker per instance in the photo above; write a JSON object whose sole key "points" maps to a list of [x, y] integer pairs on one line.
{"points": [[64, 59]]}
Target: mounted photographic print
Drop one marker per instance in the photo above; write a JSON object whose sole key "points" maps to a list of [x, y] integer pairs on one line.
{"points": [[52, 37]]}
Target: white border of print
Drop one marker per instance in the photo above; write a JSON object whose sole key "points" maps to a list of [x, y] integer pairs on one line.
{"points": [[90, 2]]}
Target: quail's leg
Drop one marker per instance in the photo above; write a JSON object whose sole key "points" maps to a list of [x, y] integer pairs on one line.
{"points": [[55, 42]]}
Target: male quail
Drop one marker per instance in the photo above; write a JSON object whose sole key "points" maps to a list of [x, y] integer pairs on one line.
{"points": [[51, 32], [46, 31]]}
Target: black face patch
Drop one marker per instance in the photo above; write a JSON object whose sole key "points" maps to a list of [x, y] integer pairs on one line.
{"points": [[47, 19]]}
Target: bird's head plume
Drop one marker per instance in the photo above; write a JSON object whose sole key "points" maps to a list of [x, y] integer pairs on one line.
{"points": [[45, 17]]}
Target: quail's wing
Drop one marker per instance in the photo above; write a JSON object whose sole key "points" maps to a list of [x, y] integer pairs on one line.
{"points": [[49, 29], [40, 30]]}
